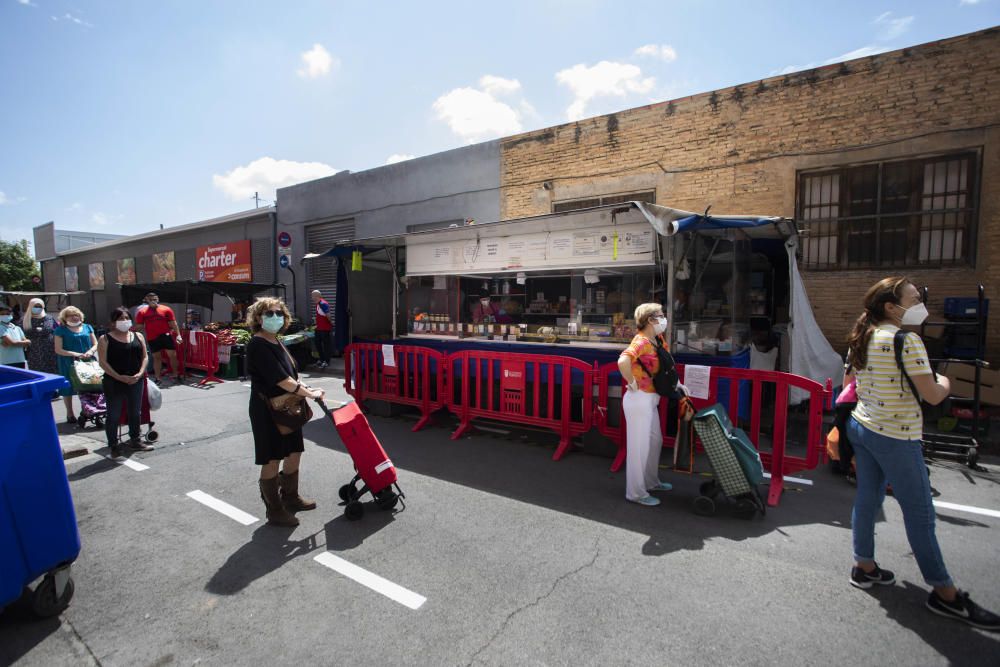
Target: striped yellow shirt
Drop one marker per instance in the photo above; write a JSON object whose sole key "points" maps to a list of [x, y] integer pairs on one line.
{"points": [[885, 403]]}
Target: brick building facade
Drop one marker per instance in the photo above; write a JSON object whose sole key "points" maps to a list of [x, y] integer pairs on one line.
{"points": [[859, 153]]}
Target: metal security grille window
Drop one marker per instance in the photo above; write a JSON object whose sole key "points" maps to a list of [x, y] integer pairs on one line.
{"points": [[576, 204], [322, 273], [908, 213]]}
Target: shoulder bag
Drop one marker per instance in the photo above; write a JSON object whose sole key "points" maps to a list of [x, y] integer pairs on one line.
{"points": [[289, 411]]}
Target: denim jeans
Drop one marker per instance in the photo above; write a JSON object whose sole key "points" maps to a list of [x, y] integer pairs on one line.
{"points": [[118, 395], [901, 463]]}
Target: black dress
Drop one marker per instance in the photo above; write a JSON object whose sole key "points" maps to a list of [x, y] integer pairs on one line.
{"points": [[267, 364]]}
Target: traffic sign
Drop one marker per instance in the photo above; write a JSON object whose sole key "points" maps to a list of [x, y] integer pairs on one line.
{"points": [[284, 239], [284, 261]]}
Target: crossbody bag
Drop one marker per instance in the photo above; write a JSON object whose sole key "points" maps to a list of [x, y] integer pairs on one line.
{"points": [[289, 411]]}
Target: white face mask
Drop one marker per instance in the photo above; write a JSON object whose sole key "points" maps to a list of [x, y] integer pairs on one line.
{"points": [[123, 325], [915, 315], [484, 302], [74, 322], [659, 325], [37, 310]]}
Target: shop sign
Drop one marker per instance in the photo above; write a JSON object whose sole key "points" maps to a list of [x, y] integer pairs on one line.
{"points": [[225, 262]]}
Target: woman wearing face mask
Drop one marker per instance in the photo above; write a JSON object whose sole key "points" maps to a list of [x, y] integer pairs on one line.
{"points": [[74, 340], [484, 312], [12, 340], [638, 363], [40, 327], [273, 373], [885, 430], [122, 354]]}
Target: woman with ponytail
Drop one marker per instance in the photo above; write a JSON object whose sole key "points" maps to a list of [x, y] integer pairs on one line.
{"points": [[885, 429]]}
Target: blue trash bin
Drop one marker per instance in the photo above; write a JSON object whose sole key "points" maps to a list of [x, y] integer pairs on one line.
{"points": [[38, 532]]}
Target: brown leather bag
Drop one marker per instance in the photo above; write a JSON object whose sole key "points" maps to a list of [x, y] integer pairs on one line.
{"points": [[290, 412]]}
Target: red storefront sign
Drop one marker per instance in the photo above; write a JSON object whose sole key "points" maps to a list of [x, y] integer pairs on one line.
{"points": [[225, 262]]}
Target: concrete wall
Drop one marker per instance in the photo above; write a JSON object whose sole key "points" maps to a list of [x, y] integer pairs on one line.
{"points": [[453, 185], [183, 241], [739, 150]]}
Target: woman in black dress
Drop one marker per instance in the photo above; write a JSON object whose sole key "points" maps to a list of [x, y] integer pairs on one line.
{"points": [[122, 354], [39, 326], [273, 373]]}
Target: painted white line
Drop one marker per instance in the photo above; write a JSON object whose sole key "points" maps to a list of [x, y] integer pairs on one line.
{"points": [[233, 513], [966, 508], [128, 463], [797, 480], [403, 596], [488, 429]]}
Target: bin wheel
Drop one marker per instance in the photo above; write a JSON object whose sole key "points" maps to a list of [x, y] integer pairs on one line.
{"points": [[354, 510], [745, 508], [704, 506], [152, 436], [44, 602], [709, 488], [973, 458], [348, 493], [387, 500]]}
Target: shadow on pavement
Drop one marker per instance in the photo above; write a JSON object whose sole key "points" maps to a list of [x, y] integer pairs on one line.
{"points": [[268, 549], [521, 467], [344, 535], [905, 604], [97, 467], [22, 631]]}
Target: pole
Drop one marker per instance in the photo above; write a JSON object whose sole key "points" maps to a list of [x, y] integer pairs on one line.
{"points": [[294, 288], [668, 255]]}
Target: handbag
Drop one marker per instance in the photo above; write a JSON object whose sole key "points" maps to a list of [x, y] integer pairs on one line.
{"points": [[86, 376], [290, 412]]}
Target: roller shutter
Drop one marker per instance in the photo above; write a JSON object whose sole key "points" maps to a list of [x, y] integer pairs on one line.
{"points": [[321, 273]]}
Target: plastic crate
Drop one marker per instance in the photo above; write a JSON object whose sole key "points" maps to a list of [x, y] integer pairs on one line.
{"points": [[38, 531], [964, 308]]}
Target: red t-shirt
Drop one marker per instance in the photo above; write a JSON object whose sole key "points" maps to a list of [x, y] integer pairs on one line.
{"points": [[323, 316], [156, 320]]}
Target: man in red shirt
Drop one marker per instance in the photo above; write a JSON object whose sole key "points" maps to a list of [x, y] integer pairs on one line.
{"points": [[324, 329], [157, 322]]}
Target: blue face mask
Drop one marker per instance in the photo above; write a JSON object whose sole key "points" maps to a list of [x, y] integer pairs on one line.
{"points": [[6, 318], [273, 323], [37, 310]]}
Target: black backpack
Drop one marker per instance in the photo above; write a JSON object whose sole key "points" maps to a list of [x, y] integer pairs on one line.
{"points": [[665, 380], [898, 340]]}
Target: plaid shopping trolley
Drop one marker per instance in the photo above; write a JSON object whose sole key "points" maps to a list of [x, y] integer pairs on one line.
{"points": [[735, 464]]}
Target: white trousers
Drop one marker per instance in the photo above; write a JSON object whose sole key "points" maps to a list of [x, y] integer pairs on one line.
{"points": [[643, 443]]}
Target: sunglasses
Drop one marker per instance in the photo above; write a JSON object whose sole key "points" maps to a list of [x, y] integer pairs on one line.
{"points": [[273, 313]]}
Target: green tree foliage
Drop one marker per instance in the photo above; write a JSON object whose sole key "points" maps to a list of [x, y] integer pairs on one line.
{"points": [[17, 266]]}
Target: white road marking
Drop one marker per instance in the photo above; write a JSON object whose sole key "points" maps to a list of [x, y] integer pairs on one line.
{"points": [[233, 513], [403, 596], [797, 480], [488, 429], [128, 463], [966, 508]]}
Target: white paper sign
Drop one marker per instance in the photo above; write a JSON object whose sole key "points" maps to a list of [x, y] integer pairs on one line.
{"points": [[697, 380], [388, 357], [440, 282]]}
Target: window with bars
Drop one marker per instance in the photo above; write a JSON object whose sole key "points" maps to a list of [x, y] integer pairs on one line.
{"points": [[919, 212], [590, 202]]}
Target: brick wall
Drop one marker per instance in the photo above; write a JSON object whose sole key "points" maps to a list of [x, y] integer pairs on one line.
{"points": [[739, 149]]}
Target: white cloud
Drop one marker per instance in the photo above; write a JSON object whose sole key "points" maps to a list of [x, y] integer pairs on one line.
{"points": [[664, 52], [73, 19], [476, 115], [969, 2], [398, 157], [316, 62], [100, 219], [603, 79], [26, 3], [892, 27], [265, 175], [496, 85]]}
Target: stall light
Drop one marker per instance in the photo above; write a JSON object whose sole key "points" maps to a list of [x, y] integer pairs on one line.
{"points": [[590, 276], [521, 277]]}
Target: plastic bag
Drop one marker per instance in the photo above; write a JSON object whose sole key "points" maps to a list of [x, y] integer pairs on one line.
{"points": [[86, 376], [154, 394]]}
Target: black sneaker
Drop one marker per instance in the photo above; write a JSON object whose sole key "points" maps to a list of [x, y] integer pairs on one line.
{"points": [[965, 610], [862, 579]]}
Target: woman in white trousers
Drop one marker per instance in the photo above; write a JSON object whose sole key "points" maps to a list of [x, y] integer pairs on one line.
{"points": [[638, 364]]}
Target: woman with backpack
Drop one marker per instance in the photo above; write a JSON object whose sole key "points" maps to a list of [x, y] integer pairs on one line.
{"points": [[885, 429], [639, 364]]}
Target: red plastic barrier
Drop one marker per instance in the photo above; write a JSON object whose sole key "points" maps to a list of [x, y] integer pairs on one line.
{"points": [[777, 462], [203, 355], [534, 389], [411, 379]]}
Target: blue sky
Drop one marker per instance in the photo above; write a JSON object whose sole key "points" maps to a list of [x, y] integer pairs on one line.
{"points": [[121, 116]]}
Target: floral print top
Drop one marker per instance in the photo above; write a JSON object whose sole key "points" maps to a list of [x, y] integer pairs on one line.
{"points": [[642, 349]]}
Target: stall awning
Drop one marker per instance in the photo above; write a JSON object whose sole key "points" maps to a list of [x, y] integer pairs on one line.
{"points": [[669, 221], [194, 292]]}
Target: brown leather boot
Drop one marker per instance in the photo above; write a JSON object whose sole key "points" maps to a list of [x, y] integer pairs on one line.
{"points": [[277, 515], [288, 488]]}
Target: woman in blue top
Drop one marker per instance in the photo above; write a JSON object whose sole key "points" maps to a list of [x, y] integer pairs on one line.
{"points": [[12, 340], [74, 340]]}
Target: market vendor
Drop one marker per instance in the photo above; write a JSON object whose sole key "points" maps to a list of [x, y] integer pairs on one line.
{"points": [[485, 312]]}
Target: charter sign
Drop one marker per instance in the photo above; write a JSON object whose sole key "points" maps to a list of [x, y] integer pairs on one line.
{"points": [[225, 262]]}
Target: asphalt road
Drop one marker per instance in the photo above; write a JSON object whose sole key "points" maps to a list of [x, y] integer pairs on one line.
{"points": [[500, 557]]}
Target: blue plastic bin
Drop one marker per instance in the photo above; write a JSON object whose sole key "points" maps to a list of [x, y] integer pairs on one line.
{"points": [[38, 532]]}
